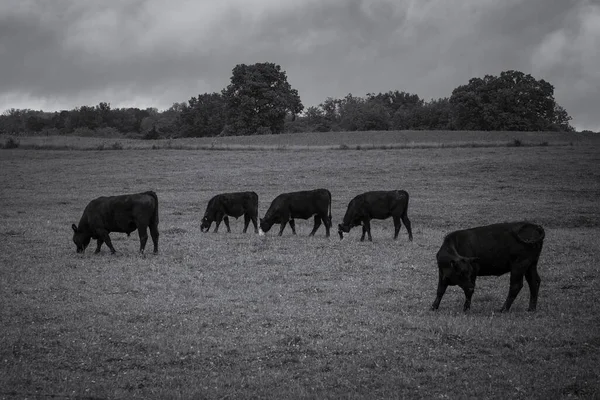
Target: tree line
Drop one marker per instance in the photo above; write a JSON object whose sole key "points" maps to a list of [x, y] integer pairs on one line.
{"points": [[259, 100]]}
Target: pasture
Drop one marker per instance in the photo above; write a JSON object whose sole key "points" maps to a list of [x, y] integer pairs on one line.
{"points": [[243, 316]]}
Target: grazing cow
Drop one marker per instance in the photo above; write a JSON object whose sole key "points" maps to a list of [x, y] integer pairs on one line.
{"points": [[497, 249], [234, 205], [376, 205], [124, 213], [305, 204]]}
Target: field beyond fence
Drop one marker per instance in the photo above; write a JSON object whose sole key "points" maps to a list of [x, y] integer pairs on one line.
{"points": [[233, 315], [378, 140]]}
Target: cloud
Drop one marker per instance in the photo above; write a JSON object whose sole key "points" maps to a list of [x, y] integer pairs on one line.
{"points": [[67, 53]]}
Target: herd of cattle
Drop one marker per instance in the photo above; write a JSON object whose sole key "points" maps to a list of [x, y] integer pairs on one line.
{"points": [[497, 249]]}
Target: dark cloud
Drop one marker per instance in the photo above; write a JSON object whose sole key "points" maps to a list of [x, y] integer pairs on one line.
{"points": [[64, 53]]}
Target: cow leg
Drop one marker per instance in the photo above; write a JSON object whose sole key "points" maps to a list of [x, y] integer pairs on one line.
{"points": [[406, 222], [397, 226], [143, 232], [154, 234], [469, 293], [533, 280], [441, 289], [226, 220], [367, 228], [364, 231], [100, 241], [218, 220], [246, 223], [317, 225], [283, 227], [516, 284], [103, 235], [327, 223], [293, 225]]}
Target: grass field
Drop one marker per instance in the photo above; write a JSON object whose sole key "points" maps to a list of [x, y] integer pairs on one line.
{"points": [[242, 316]]}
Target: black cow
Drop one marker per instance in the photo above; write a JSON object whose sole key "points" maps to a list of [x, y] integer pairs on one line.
{"points": [[376, 205], [234, 205], [305, 204], [124, 213], [497, 249]]}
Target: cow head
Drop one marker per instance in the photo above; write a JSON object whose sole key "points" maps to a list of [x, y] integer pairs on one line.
{"points": [[458, 270], [342, 228], [265, 225], [206, 222], [81, 239]]}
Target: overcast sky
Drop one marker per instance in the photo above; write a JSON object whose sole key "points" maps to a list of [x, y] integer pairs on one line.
{"points": [[60, 54]]}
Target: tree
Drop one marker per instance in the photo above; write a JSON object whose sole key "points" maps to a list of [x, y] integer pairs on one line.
{"points": [[203, 116], [511, 101], [258, 99]]}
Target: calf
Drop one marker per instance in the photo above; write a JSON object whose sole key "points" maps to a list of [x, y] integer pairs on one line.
{"points": [[231, 204], [497, 249], [305, 204], [124, 213], [376, 205]]}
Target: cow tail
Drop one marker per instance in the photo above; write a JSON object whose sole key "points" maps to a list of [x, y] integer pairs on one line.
{"points": [[155, 216], [330, 222]]}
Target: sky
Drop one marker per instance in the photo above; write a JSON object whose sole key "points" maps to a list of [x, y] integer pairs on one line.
{"points": [[62, 54]]}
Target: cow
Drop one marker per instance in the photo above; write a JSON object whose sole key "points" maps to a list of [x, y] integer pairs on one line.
{"points": [[497, 249], [376, 205], [124, 213], [304, 204], [231, 204]]}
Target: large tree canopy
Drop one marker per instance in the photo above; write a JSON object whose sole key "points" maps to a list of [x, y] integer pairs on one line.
{"points": [[512, 101], [258, 99]]}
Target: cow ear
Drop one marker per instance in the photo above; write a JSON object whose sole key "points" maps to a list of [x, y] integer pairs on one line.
{"points": [[74, 228]]}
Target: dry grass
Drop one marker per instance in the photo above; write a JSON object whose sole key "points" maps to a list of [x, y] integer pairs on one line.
{"points": [[242, 316]]}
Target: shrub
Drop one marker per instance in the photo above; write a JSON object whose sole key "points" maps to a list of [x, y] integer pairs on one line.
{"points": [[517, 143], [11, 143], [263, 130]]}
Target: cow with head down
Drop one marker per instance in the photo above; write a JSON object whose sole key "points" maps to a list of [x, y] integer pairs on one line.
{"points": [[125, 213], [303, 204], [233, 205], [376, 205], [495, 250]]}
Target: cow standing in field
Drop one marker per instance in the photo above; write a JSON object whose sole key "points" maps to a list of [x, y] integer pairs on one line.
{"points": [[376, 205], [124, 213], [231, 204], [304, 204], [497, 249]]}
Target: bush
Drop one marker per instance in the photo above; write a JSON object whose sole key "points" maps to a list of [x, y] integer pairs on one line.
{"points": [[263, 130], [11, 143], [152, 134]]}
